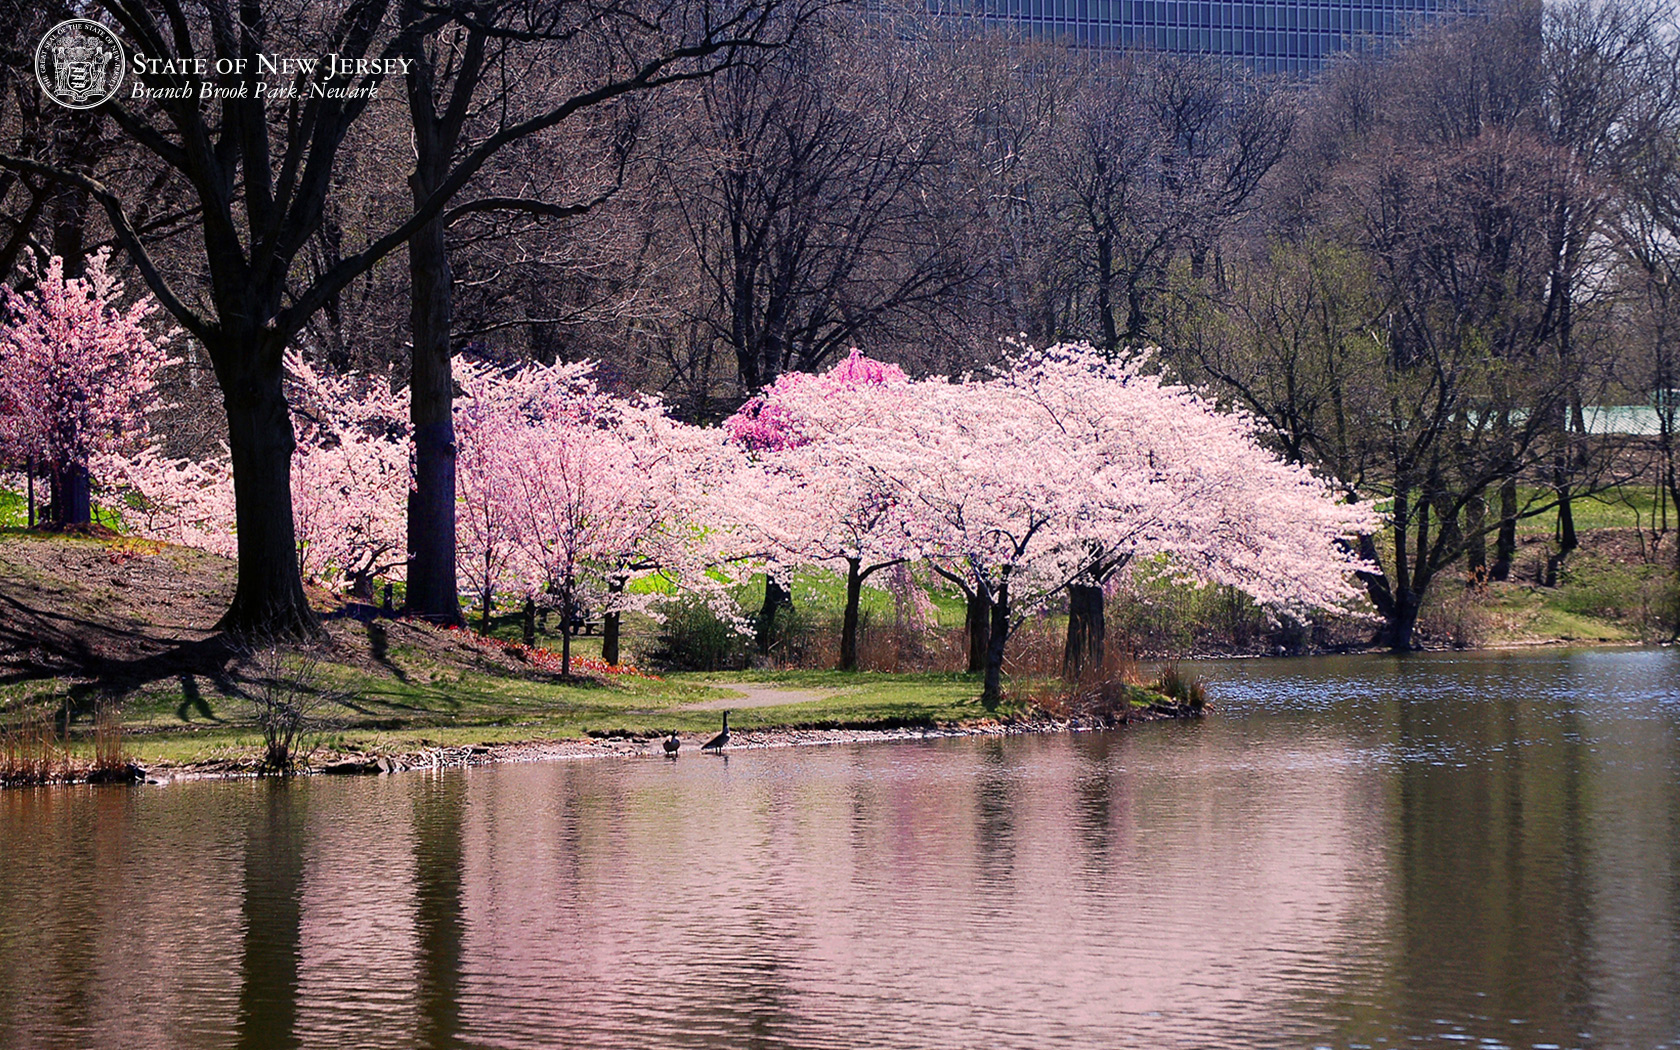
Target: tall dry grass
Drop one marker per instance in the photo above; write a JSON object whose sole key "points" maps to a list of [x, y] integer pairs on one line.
{"points": [[34, 751]]}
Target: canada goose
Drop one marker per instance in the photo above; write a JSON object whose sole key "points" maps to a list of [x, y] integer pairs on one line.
{"points": [[716, 743], [672, 743]]}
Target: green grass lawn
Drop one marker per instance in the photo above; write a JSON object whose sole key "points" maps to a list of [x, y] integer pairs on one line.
{"points": [[426, 703], [1624, 507]]}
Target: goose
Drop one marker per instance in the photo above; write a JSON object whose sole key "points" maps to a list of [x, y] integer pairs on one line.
{"points": [[716, 743], [672, 743]]}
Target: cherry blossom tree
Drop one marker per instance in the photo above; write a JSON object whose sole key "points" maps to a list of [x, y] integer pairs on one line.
{"points": [[569, 493], [77, 376], [350, 476], [182, 501], [816, 502], [1009, 483]]}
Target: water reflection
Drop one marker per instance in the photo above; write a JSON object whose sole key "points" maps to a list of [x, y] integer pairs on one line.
{"points": [[276, 846], [1356, 852]]}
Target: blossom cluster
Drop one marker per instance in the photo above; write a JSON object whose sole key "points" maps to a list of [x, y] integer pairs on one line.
{"points": [[1059, 466]]}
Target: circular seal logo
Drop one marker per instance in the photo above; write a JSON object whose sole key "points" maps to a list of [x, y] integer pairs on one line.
{"points": [[79, 63]]}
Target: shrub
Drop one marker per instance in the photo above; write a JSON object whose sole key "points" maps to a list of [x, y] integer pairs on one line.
{"points": [[1454, 615], [32, 751], [692, 638], [286, 688]]}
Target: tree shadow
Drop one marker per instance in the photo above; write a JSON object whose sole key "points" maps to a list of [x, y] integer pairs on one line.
{"points": [[106, 661]]}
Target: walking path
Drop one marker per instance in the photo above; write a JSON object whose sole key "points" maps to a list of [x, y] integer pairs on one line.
{"points": [[756, 695]]}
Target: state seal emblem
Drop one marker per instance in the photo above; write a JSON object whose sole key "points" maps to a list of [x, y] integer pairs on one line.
{"points": [[79, 63]]}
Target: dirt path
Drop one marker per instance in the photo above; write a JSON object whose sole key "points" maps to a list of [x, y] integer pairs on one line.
{"points": [[757, 695]]}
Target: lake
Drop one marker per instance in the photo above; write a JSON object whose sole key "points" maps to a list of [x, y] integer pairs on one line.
{"points": [[1472, 850]]}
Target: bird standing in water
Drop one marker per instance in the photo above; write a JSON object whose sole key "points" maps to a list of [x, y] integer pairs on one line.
{"points": [[716, 743], [672, 743]]}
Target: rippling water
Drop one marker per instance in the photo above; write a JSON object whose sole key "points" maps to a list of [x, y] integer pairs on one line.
{"points": [[1354, 852]]}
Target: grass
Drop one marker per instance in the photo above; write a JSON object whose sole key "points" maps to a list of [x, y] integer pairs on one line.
{"points": [[1516, 615], [1623, 507], [424, 702], [453, 709]]}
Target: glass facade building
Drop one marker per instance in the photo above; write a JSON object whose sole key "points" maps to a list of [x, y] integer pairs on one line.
{"points": [[1268, 36]]}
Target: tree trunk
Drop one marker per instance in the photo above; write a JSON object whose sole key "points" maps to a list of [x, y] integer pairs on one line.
{"points": [[1475, 537], [991, 692], [979, 628], [269, 598], [431, 503], [1403, 623], [72, 497], [1505, 544], [567, 626], [528, 621], [776, 598], [849, 620], [1086, 630], [609, 626]]}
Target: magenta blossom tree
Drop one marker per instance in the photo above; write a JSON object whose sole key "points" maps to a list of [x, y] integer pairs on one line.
{"points": [[77, 376]]}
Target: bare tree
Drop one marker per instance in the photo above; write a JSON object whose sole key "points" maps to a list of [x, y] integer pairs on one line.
{"points": [[261, 174], [804, 198]]}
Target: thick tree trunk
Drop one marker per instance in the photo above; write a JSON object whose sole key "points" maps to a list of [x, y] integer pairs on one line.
{"points": [[849, 619], [776, 598], [1086, 630], [528, 621], [979, 628], [431, 503], [269, 598], [991, 692], [72, 497], [609, 626], [1402, 624]]}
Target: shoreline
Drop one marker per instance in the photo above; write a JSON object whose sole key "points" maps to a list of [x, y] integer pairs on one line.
{"points": [[623, 747]]}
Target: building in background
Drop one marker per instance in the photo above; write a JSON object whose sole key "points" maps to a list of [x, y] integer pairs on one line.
{"points": [[1267, 36]]}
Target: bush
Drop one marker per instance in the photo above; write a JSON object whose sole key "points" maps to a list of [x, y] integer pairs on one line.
{"points": [[286, 689], [32, 749], [692, 638], [1453, 614]]}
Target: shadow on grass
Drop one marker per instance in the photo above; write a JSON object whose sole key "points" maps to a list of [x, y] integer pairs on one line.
{"points": [[41, 645]]}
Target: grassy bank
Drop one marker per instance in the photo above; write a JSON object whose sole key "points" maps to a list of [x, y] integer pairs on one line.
{"points": [[90, 625], [115, 627]]}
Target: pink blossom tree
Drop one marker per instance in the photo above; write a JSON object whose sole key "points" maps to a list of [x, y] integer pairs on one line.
{"points": [[569, 493], [1009, 484], [77, 376], [813, 502], [350, 476]]}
